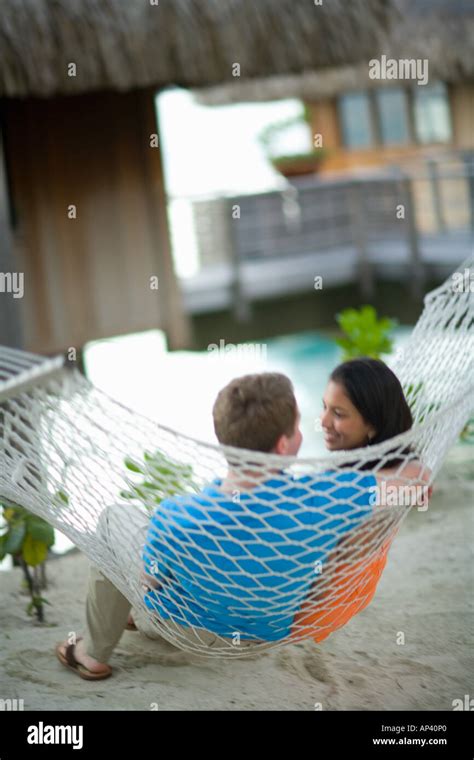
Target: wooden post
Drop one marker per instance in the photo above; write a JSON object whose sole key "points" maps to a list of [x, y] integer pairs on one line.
{"points": [[468, 159], [374, 118], [10, 308], [412, 131], [240, 306], [359, 223], [416, 270], [436, 195], [176, 322]]}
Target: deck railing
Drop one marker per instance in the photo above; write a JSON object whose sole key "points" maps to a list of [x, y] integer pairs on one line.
{"points": [[434, 200]]}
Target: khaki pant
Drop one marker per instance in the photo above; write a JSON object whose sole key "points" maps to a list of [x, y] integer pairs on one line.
{"points": [[123, 529]]}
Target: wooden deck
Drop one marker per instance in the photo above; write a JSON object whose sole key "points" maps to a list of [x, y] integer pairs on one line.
{"points": [[268, 245], [220, 286]]}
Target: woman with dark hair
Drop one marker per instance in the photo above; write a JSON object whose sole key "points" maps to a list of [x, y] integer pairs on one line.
{"points": [[363, 405]]}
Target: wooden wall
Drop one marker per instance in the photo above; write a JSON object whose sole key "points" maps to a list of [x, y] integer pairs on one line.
{"points": [[89, 277], [325, 120], [462, 109]]}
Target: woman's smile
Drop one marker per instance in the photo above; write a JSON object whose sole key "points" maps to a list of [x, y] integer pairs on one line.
{"points": [[342, 424]]}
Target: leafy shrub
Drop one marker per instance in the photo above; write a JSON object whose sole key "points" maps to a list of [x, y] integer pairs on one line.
{"points": [[27, 538], [157, 477], [365, 333]]}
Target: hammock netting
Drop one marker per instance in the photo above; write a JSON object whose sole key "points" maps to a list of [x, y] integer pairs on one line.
{"points": [[291, 552]]}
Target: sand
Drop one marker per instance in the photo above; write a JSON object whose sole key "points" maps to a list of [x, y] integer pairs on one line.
{"points": [[425, 593]]}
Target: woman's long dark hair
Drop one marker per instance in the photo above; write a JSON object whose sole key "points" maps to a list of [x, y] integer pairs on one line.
{"points": [[377, 394]]}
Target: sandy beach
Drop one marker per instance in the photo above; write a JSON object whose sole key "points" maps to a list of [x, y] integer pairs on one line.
{"points": [[426, 593]]}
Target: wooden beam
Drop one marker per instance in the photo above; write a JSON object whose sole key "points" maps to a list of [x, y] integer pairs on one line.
{"points": [[416, 272], [360, 223], [10, 307], [175, 321]]}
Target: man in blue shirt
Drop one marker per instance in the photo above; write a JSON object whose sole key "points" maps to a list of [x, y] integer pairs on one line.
{"points": [[239, 557], [235, 560]]}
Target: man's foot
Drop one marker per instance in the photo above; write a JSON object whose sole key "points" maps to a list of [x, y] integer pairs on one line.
{"points": [[82, 658], [131, 624]]}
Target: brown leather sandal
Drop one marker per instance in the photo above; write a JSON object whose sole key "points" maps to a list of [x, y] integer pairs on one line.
{"points": [[69, 661]]}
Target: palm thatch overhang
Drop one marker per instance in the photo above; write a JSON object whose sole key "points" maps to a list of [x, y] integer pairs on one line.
{"points": [[441, 31], [126, 44]]}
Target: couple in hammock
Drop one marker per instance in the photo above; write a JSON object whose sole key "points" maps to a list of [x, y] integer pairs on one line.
{"points": [[236, 561]]}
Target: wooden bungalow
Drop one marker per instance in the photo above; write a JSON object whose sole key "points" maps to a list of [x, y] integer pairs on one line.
{"points": [[365, 121], [82, 197]]}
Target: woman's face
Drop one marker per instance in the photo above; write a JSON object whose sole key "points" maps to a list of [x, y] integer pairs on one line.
{"points": [[343, 426]]}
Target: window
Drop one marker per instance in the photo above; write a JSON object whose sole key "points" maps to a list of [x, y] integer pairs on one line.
{"points": [[431, 112], [356, 120], [392, 112], [388, 115]]}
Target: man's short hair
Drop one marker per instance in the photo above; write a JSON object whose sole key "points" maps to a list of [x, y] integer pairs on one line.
{"points": [[254, 411]]}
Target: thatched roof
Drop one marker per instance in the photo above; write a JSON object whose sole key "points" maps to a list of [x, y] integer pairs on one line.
{"points": [[440, 30], [122, 44]]}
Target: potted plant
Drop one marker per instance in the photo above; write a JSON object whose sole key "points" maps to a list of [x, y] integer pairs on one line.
{"points": [[288, 146]]}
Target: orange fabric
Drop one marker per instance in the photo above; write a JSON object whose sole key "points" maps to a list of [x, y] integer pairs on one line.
{"points": [[351, 589]]}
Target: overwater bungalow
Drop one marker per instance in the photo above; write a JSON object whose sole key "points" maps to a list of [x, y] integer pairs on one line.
{"points": [[397, 134], [420, 97], [82, 197]]}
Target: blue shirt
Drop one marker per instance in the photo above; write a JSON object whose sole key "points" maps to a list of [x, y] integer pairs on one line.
{"points": [[247, 567]]}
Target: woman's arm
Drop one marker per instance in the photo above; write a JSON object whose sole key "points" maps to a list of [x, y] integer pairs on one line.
{"points": [[409, 485]]}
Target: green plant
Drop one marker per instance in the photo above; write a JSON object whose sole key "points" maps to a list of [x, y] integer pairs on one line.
{"points": [[414, 394], [467, 434], [27, 538], [268, 135], [156, 478], [272, 132], [317, 153], [365, 333]]}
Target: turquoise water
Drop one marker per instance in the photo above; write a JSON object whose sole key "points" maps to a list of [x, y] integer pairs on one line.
{"points": [[308, 360], [178, 389]]}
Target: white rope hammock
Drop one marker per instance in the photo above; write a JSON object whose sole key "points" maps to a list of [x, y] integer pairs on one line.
{"points": [[293, 557]]}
